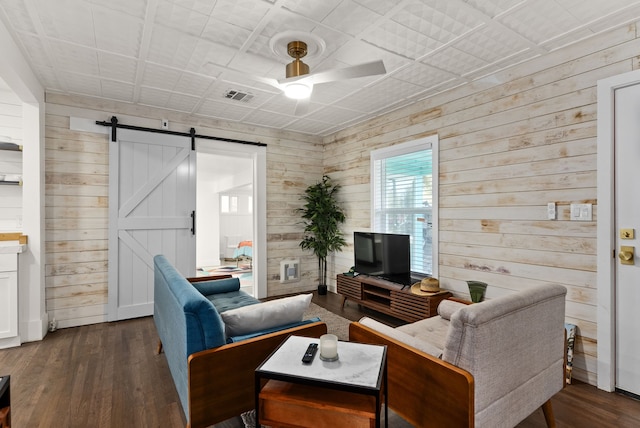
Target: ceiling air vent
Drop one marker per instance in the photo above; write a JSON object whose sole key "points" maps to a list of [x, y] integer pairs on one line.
{"points": [[238, 96]]}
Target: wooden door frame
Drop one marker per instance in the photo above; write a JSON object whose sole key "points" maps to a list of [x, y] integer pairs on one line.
{"points": [[606, 237]]}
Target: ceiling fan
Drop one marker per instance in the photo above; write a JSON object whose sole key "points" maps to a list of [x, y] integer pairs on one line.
{"points": [[299, 83]]}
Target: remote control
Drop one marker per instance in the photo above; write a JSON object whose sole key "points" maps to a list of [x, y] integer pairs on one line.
{"points": [[310, 353]]}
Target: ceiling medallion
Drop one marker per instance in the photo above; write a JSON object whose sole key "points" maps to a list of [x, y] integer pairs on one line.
{"points": [[315, 46]]}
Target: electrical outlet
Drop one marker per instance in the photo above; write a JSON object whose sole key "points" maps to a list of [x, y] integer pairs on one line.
{"points": [[165, 123]]}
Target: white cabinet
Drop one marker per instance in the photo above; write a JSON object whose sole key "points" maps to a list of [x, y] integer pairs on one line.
{"points": [[9, 335]]}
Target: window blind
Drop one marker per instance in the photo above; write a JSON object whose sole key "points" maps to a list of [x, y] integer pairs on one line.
{"points": [[402, 199]]}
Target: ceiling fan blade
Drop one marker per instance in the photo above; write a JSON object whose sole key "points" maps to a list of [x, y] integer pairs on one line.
{"points": [[268, 81], [302, 107], [362, 70]]}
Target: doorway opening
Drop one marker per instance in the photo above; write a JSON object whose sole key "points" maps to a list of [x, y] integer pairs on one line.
{"points": [[225, 221]]}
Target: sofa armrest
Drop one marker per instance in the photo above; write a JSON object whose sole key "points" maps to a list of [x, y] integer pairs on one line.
{"points": [[221, 380], [423, 389], [216, 286]]}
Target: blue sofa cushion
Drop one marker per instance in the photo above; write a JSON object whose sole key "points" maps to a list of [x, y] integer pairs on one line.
{"points": [[234, 299]]}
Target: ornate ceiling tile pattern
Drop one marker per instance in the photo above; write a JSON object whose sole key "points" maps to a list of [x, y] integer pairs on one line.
{"points": [[185, 55]]}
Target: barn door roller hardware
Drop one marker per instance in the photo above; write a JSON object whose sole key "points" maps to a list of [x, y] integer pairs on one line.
{"points": [[113, 123]]}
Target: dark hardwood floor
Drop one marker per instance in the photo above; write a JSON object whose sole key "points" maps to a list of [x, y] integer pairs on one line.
{"points": [[108, 375]]}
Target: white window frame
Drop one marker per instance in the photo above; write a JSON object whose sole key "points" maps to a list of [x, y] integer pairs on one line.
{"points": [[425, 143]]}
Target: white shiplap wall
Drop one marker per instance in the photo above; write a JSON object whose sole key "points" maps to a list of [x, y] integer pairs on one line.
{"points": [[509, 144], [77, 203], [10, 162]]}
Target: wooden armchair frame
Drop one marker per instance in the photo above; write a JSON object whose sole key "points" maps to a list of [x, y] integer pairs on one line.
{"points": [[423, 389], [221, 380]]}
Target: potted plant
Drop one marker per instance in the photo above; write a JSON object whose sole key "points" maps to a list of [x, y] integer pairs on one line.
{"points": [[322, 219]]}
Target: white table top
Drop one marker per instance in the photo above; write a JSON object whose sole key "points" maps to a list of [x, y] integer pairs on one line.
{"points": [[358, 364]]}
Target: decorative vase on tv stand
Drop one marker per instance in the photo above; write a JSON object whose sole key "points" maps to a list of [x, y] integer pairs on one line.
{"points": [[477, 290]]}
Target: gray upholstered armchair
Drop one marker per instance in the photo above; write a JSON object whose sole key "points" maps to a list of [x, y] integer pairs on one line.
{"points": [[489, 364]]}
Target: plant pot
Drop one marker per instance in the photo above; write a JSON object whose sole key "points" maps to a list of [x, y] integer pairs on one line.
{"points": [[322, 290], [477, 290]]}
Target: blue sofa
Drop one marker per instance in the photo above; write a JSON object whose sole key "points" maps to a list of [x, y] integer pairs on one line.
{"points": [[213, 374]]}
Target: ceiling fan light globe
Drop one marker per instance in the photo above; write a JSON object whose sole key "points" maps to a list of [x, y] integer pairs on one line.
{"points": [[298, 91]]}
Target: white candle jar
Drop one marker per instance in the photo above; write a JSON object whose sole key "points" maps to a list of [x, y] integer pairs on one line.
{"points": [[328, 347]]}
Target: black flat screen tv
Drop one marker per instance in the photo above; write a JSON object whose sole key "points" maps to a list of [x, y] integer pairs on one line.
{"points": [[385, 255]]}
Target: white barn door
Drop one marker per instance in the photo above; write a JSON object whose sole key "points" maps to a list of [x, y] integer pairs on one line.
{"points": [[152, 197]]}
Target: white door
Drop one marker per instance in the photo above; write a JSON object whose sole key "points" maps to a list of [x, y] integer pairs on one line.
{"points": [[151, 203], [627, 216]]}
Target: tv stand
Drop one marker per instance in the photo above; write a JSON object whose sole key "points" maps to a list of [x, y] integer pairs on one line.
{"points": [[389, 297]]}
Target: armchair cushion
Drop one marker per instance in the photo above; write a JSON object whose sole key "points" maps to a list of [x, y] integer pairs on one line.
{"points": [[405, 338], [273, 313], [433, 330]]}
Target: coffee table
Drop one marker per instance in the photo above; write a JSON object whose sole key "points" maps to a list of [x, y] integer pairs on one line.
{"points": [[349, 389]]}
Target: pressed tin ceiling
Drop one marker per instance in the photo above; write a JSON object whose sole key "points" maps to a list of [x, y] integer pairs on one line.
{"points": [[187, 55]]}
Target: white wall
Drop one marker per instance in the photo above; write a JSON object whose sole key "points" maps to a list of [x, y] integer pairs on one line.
{"points": [[208, 219], [21, 80], [10, 162]]}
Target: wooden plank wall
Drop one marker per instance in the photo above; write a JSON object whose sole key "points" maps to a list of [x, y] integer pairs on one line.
{"points": [[77, 201], [76, 209], [508, 146], [10, 162]]}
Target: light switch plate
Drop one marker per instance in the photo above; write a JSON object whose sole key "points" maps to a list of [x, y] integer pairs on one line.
{"points": [[581, 212]]}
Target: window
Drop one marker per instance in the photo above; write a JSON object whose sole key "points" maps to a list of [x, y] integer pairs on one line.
{"points": [[228, 204], [404, 197]]}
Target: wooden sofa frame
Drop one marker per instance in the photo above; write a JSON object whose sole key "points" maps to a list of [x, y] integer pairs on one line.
{"points": [[425, 390], [221, 380]]}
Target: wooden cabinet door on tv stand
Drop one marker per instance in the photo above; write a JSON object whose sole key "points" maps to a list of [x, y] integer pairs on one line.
{"points": [[388, 297]]}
